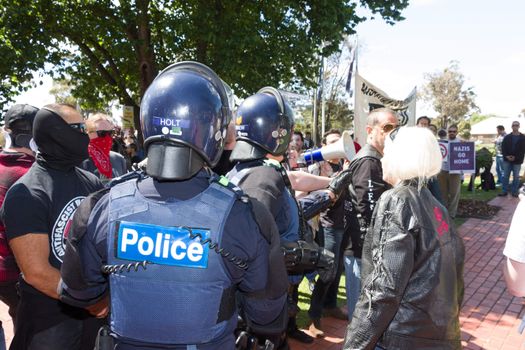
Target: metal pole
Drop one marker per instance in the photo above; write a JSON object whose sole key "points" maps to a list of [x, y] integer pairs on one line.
{"points": [[321, 96], [317, 100]]}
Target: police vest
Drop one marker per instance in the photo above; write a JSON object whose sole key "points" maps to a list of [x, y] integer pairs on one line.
{"points": [[291, 232], [185, 294]]}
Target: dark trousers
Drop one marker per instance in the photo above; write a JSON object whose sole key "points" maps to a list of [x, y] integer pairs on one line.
{"points": [[40, 327], [9, 296], [325, 294]]}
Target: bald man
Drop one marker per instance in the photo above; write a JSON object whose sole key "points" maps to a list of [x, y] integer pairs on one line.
{"points": [[37, 213]]}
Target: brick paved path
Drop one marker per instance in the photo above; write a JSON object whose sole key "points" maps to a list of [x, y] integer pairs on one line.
{"points": [[489, 316]]}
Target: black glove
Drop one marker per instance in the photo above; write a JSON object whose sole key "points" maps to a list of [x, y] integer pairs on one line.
{"points": [[326, 265], [340, 182]]}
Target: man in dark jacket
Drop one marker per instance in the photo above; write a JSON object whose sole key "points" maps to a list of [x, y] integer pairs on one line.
{"points": [[208, 246], [260, 149], [366, 187], [513, 150]]}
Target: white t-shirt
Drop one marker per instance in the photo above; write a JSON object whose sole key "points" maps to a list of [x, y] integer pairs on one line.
{"points": [[515, 244]]}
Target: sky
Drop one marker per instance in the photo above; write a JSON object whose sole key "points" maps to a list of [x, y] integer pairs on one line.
{"points": [[486, 37]]}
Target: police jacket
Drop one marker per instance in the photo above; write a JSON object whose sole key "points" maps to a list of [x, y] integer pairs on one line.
{"points": [[263, 181], [238, 254], [412, 268], [517, 150], [366, 186]]}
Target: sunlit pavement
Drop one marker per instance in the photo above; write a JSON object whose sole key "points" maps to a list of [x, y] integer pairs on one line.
{"points": [[490, 316]]}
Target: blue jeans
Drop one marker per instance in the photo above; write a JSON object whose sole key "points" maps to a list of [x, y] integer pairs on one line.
{"points": [[353, 282], [499, 168], [508, 167], [2, 338], [325, 294]]}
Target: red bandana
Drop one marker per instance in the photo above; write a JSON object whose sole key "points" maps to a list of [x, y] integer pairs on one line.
{"points": [[99, 148]]}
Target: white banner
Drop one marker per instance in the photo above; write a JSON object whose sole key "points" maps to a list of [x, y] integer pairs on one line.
{"points": [[368, 97]]}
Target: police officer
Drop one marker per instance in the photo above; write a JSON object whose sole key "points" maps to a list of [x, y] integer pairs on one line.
{"points": [[173, 247], [264, 126]]}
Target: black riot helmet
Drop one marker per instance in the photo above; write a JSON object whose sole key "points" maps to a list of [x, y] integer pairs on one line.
{"points": [[184, 115], [264, 125]]}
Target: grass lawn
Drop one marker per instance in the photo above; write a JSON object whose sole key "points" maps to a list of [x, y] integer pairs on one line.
{"points": [[304, 301], [304, 291]]}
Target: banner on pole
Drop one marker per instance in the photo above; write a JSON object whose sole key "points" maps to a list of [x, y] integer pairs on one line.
{"points": [[368, 97]]}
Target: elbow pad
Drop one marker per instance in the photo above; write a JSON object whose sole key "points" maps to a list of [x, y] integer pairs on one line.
{"points": [[302, 256]]}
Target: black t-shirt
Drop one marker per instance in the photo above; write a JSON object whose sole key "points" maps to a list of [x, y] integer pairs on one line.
{"points": [[43, 201]]}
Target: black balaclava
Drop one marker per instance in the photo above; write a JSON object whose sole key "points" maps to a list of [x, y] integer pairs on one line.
{"points": [[60, 146]]}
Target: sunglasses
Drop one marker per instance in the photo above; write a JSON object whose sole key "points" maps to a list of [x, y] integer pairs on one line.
{"points": [[452, 131], [104, 133], [388, 128], [79, 127], [516, 125]]}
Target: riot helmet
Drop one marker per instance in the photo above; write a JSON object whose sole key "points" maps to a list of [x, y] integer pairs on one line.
{"points": [[184, 115], [264, 124]]}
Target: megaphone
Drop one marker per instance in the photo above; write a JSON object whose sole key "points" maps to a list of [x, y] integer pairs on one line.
{"points": [[344, 148]]}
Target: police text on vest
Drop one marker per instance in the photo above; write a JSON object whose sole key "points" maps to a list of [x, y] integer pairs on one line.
{"points": [[161, 245]]}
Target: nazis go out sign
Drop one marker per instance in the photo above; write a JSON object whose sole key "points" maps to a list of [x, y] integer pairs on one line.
{"points": [[462, 157]]}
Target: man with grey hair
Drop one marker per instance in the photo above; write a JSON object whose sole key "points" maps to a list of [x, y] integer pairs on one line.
{"points": [[365, 188]]}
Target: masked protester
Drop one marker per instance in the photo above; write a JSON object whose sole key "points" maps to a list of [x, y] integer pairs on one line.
{"points": [[36, 212], [15, 161], [102, 161]]}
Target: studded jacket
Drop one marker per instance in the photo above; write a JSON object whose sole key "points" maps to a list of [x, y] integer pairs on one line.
{"points": [[412, 275]]}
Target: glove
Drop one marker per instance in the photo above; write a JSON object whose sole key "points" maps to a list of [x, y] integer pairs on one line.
{"points": [[340, 182], [326, 265]]}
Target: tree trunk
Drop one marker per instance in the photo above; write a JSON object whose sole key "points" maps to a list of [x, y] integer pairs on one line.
{"points": [[146, 59]]}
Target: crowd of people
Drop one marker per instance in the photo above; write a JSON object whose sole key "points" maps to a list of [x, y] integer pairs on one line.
{"points": [[203, 245]]}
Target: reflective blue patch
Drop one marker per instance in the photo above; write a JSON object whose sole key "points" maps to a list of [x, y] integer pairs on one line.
{"points": [[162, 245], [179, 123]]}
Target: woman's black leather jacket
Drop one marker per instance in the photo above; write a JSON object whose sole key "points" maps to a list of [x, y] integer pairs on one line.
{"points": [[412, 275]]}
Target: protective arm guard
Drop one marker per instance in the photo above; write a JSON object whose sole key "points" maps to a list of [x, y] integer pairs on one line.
{"points": [[302, 256]]}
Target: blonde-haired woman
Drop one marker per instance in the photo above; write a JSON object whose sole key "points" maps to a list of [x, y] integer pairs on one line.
{"points": [[412, 274]]}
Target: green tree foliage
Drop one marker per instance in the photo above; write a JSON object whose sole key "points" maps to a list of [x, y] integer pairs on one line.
{"points": [[477, 117], [61, 90], [114, 49], [448, 95]]}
